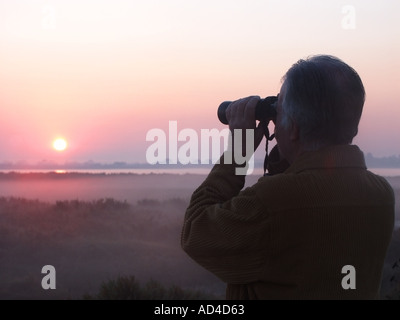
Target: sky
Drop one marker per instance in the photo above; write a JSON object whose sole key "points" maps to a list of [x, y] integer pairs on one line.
{"points": [[102, 74]]}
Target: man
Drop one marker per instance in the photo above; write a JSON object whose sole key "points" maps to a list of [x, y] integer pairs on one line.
{"points": [[319, 229]]}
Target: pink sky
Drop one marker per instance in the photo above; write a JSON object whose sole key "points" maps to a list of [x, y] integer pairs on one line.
{"points": [[102, 74]]}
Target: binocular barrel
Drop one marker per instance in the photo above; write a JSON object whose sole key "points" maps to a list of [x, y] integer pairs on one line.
{"points": [[265, 109]]}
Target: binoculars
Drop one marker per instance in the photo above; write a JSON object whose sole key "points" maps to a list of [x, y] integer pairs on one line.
{"points": [[265, 109]]}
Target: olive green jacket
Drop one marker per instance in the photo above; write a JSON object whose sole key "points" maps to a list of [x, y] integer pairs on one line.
{"points": [[292, 235]]}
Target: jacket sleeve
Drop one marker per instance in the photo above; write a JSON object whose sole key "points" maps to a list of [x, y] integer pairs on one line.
{"points": [[224, 227]]}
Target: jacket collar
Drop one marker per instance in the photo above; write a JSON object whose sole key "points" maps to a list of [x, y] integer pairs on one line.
{"points": [[338, 156]]}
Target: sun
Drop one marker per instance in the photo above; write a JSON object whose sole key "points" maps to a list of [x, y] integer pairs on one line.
{"points": [[60, 144]]}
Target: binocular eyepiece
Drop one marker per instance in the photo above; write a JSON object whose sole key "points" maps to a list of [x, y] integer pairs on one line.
{"points": [[265, 109]]}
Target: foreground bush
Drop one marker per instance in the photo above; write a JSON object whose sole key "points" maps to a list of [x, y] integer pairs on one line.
{"points": [[128, 288]]}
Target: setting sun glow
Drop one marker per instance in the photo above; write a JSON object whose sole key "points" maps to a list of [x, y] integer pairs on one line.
{"points": [[60, 144], [102, 74]]}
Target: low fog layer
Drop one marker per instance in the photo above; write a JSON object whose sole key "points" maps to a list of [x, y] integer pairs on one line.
{"points": [[94, 228]]}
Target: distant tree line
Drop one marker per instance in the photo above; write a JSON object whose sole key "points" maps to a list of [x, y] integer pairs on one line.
{"points": [[384, 162], [88, 165], [372, 162]]}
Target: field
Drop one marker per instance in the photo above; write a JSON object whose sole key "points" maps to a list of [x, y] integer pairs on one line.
{"points": [[95, 228]]}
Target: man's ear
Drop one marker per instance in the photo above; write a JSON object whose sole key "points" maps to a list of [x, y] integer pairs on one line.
{"points": [[294, 132]]}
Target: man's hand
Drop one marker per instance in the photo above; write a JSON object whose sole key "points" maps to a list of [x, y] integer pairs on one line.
{"points": [[241, 114]]}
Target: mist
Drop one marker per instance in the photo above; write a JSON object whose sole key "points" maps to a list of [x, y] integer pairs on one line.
{"points": [[94, 228]]}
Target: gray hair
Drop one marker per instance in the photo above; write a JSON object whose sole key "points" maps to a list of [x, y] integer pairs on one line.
{"points": [[325, 98]]}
